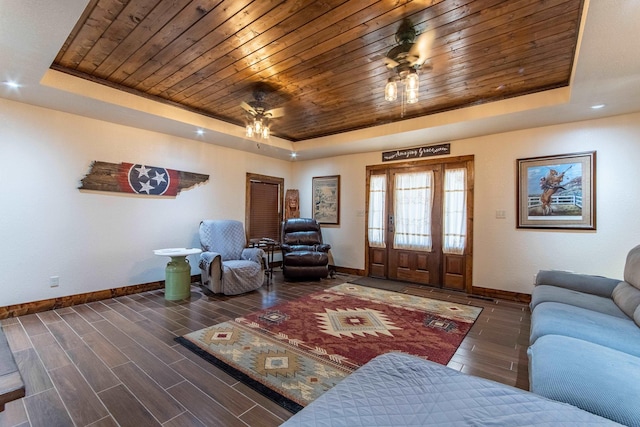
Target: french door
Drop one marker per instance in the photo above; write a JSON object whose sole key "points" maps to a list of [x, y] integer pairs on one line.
{"points": [[419, 222]]}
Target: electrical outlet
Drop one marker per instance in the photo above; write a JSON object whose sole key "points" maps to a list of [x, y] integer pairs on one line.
{"points": [[54, 281]]}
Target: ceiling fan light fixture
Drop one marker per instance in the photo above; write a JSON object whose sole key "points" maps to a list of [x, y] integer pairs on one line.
{"points": [[411, 81], [406, 58], [391, 90], [412, 85], [258, 128], [259, 116], [412, 96]]}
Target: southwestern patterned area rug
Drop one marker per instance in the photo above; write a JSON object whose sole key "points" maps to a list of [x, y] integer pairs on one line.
{"points": [[295, 351]]}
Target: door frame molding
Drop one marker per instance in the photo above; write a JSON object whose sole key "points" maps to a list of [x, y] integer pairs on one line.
{"points": [[444, 161]]}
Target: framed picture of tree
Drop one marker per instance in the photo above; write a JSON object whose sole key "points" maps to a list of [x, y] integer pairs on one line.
{"points": [[325, 191], [557, 191]]}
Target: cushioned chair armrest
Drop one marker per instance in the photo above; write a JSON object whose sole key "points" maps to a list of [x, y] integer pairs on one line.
{"points": [[285, 248], [253, 254], [211, 270], [596, 285], [206, 259], [322, 247], [303, 248]]}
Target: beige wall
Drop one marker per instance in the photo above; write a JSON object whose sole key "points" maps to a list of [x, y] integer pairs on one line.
{"points": [[507, 258], [96, 241]]}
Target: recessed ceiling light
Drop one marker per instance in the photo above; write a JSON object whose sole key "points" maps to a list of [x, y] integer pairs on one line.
{"points": [[200, 132], [293, 155], [597, 106], [12, 84]]}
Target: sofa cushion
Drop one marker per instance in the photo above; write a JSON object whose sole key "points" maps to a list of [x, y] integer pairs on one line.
{"points": [[547, 293], [636, 316], [626, 297], [597, 379], [632, 267], [552, 318], [597, 285]]}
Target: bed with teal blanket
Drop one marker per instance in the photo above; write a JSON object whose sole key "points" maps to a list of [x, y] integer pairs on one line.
{"points": [[400, 390]]}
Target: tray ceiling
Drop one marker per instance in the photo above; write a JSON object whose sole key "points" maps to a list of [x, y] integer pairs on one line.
{"points": [[322, 61]]}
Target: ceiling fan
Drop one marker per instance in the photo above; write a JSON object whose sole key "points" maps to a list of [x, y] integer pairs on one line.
{"points": [[409, 56], [260, 115]]}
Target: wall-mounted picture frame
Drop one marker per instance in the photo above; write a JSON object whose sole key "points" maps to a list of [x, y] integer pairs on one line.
{"points": [[557, 191], [326, 199]]}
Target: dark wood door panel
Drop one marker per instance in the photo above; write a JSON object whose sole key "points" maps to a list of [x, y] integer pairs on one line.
{"points": [[454, 272], [378, 262], [413, 266]]}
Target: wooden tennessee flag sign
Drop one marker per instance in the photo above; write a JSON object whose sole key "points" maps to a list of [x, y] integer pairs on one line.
{"points": [[139, 179]]}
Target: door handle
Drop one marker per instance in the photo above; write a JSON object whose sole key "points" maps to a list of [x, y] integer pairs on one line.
{"points": [[391, 223]]}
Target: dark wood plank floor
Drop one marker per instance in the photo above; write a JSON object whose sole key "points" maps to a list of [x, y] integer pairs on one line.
{"points": [[114, 362]]}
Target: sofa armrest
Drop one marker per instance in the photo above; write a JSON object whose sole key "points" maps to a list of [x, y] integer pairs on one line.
{"points": [[323, 247], [596, 285]]}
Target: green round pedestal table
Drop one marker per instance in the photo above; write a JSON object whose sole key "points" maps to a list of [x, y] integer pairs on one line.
{"points": [[177, 283]]}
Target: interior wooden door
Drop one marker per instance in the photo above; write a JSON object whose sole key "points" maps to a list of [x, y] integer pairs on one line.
{"points": [[414, 234]]}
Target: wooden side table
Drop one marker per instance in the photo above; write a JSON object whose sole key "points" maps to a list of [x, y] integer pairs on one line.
{"points": [[269, 246], [177, 284]]}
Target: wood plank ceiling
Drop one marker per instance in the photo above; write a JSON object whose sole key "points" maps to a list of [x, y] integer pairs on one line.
{"points": [[321, 60]]}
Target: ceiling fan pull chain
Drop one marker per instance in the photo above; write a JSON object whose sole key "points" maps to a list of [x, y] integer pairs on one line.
{"points": [[402, 105]]}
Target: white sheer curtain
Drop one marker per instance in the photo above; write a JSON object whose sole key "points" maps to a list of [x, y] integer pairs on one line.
{"points": [[377, 212], [455, 211], [413, 199]]}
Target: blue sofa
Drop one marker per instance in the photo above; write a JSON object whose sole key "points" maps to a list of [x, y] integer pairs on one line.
{"points": [[585, 341]]}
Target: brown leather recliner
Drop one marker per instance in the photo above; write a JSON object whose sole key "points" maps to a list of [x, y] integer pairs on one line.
{"points": [[304, 255]]}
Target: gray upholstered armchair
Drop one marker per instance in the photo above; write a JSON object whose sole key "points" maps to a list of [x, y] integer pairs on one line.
{"points": [[226, 265], [304, 255]]}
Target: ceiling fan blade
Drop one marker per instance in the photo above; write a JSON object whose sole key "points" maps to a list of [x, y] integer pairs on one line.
{"points": [[248, 108], [421, 49], [275, 112], [390, 63]]}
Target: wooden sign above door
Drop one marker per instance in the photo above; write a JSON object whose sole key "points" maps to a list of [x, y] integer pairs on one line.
{"points": [[139, 179], [416, 153]]}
